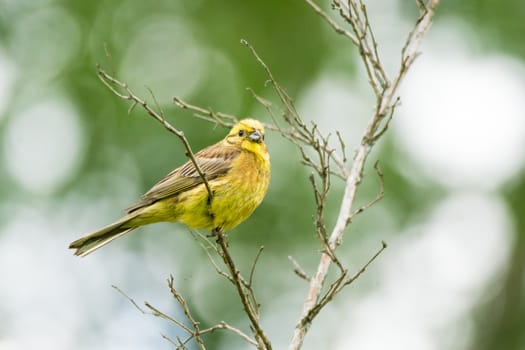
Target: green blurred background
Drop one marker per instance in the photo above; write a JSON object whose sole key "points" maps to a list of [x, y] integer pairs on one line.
{"points": [[72, 158]]}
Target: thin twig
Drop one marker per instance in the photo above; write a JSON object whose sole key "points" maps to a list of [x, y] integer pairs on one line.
{"points": [[249, 283], [252, 270], [224, 325], [300, 134], [178, 346], [196, 325], [298, 270], [235, 279], [110, 58], [158, 313], [341, 144], [385, 98], [337, 286], [283, 96], [108, 80], [129, 299], [380, 195], [381, 131], [219, 118], [365, 266], [338, 29], [199, 237], [249, 309], [309, 140]]}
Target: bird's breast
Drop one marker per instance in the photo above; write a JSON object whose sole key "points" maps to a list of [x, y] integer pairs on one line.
{"points": [[241, 190]]}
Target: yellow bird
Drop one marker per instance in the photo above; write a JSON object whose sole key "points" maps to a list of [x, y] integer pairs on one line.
{"points": [[238, 172]]}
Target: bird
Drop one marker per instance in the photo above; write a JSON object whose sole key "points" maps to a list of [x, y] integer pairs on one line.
{"points": [[237, 169]]}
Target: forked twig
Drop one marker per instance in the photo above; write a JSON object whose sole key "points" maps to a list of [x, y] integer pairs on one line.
{"points": [[337, 286], [219, 118], [250, 309], [355, 14], [380, 195], [298, 270], [129, 299], [111, 82], [316, 153]]}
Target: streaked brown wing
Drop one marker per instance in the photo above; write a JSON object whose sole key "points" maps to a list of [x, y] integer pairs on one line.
{"points": [[213, 161]]}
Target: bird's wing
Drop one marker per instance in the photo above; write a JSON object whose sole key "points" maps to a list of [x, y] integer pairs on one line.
{"points": [[214, 161]]}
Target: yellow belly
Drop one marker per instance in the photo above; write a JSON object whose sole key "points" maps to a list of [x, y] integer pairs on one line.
{"points": [[236, 195]]}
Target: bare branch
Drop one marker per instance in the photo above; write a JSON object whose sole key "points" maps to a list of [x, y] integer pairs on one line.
{"points": [[283, 96], [385, 97], [219, 118], [379, 196], [338, 29], [300, 134], [342, 145], [365, 266], [356, 16], [337, 286], [178, 346], [129, 299], [111, 62], [252, 270], [197, 333], [298, 270], [224, 325], [250, 309], [156, 312], [206, 246], [108, 80], [249, 284], [381, 131], [324, 160], [196, 325]]}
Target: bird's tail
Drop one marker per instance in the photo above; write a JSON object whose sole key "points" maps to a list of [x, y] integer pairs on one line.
{"points": [[91, 242]]}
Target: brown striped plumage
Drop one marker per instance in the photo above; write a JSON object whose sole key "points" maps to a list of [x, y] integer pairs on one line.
{"points": [[237, 170]]}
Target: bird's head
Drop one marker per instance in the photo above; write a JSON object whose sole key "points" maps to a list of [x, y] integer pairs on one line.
{"points": [[248, 134]]}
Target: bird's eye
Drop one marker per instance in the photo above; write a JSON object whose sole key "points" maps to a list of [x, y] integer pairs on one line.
{"points": [[241, 132]]}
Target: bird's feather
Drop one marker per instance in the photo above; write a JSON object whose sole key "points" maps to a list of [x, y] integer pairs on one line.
{"points": [[213, 162]]}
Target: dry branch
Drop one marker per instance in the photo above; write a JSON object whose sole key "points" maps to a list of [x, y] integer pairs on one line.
{"points": [[127, 94], [244, 291], [316, 153], [356, 16]]}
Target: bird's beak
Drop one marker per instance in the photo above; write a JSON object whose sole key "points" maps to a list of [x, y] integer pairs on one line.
{"points": [[255, 136]]}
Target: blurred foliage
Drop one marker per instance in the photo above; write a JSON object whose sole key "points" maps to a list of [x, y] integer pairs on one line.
{"points": [[501, 318], [295, 44], [494, 19]]}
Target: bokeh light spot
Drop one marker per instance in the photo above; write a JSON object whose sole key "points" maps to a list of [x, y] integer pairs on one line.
{"points": [[43, 145], [174, 69], [8, 73], [45, 41], [336, 104], [462, 118], [435, 274]]}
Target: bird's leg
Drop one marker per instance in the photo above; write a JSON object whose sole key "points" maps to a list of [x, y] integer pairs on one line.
{"points": [[221, 237], [210, 197], [211, 215]]}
